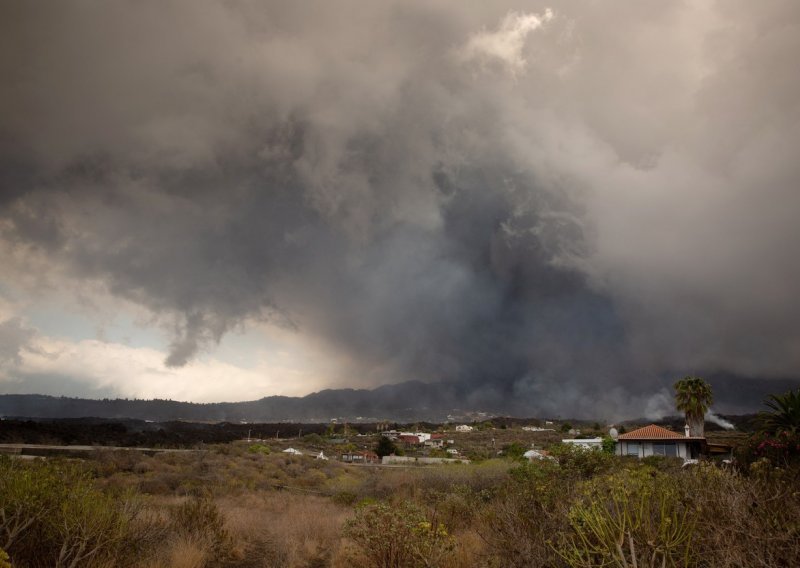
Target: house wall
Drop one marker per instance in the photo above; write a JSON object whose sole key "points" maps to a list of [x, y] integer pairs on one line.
{"points": [[646, 448], [388, 460], [596, 443]]}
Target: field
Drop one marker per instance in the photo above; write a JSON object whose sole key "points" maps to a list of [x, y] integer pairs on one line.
{"points": [[248, 504]]}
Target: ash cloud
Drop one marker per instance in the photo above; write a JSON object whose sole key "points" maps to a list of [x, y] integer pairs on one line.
{"points": [[564, 207]]}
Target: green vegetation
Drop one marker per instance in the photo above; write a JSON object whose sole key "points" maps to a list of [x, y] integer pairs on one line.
{"points": [[630, 518], [515, 450], [242, 505], [53, 515], [783, 414], [405, 537], [386, 447]]}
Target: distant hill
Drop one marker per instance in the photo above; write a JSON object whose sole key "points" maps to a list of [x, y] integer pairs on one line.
{"points": [[410, 401], [407, 401]]}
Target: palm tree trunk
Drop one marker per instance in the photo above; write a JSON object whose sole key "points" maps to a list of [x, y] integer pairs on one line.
{"points": [[697, 426]]}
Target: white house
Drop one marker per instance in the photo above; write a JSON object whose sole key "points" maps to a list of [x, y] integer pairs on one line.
{"points": [[591, 443], [293, 452], [654, 440], [435, 441], [463, 428]]}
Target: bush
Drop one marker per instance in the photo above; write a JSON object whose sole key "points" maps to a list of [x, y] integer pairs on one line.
{"points": [[609, 445], [515, 450], [577, 461], [399, 536], [200, 519], [259, 449], [743, 520], [633, 517], [781, 449], [519, 522], [53, 515]]}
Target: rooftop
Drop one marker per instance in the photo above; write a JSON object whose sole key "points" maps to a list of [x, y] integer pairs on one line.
{"points": [[654, 432]]}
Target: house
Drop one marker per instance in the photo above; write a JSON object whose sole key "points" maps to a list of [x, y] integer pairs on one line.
{"points": [[293, 452], [361, 457], [435, 441], [411, 460], [463, 428], [409, 439], [654, 440], [590, 443]]}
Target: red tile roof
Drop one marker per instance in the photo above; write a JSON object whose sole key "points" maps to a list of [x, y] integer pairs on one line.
{"points": [[654, 432]]}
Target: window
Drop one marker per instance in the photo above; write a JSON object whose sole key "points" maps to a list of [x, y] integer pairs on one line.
{"points": [[668, 449], [633, 448]]}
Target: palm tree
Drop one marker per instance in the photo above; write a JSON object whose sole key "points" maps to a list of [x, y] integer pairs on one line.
{"points": [[784, 413], [693, 397]]}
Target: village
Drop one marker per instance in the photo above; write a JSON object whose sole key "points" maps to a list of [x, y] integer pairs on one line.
{"points": [[464, 443]]}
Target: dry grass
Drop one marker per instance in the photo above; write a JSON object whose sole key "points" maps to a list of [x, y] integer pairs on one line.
{"points": [[496, 519], [184, 552], [294, 530]]}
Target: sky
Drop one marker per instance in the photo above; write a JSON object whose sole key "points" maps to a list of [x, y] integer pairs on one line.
{"points": [[567, 203]]}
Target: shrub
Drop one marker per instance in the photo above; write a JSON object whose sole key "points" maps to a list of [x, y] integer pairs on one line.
{"points": [[515, 450], [633, 517], [260, 449], [200, 519], [609, 445], [399, 536], [743, 520], [53, 515], [581, 462], [781, 449], [518, 523]]}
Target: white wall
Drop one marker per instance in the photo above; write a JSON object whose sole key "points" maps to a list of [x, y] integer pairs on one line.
{"points": [[646, 448]]}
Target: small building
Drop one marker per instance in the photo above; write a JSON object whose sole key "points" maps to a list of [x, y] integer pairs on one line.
{"points": [[391, 434], [293, 452], [654, 440], [360, 457], [411, 460], [590, 443], [409, 439], [435, 441], [463, 428]]}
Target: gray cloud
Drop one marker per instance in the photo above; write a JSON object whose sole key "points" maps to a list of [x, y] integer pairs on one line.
{"points": [[15, 336], [569, 231]]}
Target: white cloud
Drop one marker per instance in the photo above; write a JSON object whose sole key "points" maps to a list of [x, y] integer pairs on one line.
{"points": [[119, 370], [506, 44]]}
